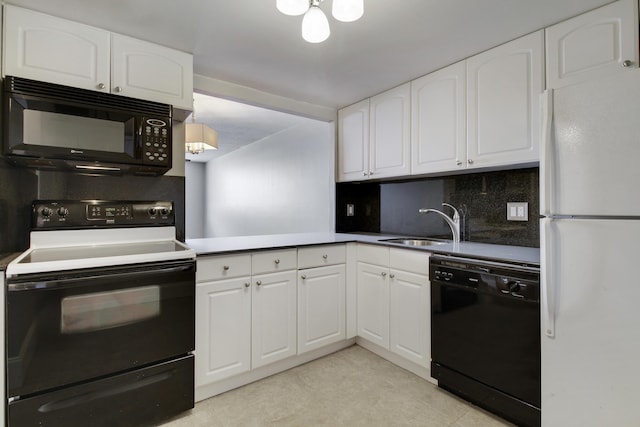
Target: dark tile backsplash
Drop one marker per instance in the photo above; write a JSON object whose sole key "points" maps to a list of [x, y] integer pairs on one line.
{"points": [[392, 207], [19, 187]]}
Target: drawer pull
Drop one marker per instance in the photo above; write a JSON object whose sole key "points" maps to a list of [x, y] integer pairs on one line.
{"points": [[277, 261], [392, 275], [325, 256], [383, 274], [303, 277], [247, 284], [259, 282], [225, 268]]}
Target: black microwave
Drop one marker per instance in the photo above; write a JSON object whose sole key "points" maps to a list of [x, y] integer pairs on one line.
{"points": [[50, 126]]}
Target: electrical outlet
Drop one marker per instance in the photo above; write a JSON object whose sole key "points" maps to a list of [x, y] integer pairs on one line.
{"points": [[517, 211], [351, 210]]}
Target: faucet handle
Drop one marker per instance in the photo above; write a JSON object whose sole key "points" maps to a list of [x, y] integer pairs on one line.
{"points": [[456, 215]]}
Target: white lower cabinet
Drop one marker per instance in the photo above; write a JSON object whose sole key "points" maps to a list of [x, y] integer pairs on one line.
{"points": [[393, 301], [223, 335], [321, 307], [273, 317], [409, 306]]}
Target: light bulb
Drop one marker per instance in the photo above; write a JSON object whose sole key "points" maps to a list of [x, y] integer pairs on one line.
{"points": [[315, 25], [292, 7], [347, 10]]}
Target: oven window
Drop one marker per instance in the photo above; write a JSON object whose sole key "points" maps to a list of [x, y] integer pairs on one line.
{"points": [[103, 310], [68, 131]]}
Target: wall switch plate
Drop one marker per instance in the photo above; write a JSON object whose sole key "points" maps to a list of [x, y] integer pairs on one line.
{"points": [[517, 211], [351, 210]]}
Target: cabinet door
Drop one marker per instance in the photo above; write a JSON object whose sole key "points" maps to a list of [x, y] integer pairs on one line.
{"points": [[438, 127], [373, 303], [321, 307], [389, 134], [593, 44], [503, 103], [353, 142], [273, 317], [148, 71], [409, 316], [223, 329], [50, 49]]}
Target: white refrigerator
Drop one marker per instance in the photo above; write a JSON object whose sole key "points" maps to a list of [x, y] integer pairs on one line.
{"points": [[590, 254]]}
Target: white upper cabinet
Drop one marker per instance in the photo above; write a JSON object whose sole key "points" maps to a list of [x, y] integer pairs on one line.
{"points": [[503, 103], [389, 134], [144, 70], [438, 128], [50, 49], [42, 47], [374, 136], [353, 142], [593, 44]]}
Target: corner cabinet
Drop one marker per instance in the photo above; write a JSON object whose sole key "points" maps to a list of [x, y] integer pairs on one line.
{"points": [[503, 103], [593, 45], [274, 306], [321, 296], [374, 136], [46, 48]]}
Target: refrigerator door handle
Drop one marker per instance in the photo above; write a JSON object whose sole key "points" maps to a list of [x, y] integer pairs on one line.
{"points": [[546, 158], [547, 302]]}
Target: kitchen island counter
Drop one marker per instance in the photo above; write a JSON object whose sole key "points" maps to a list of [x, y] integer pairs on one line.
{"points": [[221, 245]]}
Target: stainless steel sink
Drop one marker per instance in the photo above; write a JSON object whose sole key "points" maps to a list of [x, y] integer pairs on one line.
{"points": [[416, 242]]}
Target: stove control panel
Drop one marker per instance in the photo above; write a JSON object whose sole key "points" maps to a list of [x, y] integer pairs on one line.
{"points": [[82, 214]]}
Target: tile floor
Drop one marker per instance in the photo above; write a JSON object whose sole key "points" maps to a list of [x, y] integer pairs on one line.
{"points": [[352, 387]]}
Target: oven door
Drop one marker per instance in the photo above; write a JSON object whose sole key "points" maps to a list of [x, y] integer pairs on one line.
{"points": [[68, 327]]}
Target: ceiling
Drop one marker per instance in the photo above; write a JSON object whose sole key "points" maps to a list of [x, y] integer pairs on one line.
{"points": [[250, 44]]}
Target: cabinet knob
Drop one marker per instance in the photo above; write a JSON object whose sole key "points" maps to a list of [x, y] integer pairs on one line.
{"points": [[325, 256], [303, 277], [383, 274], [364, 174], [458, 162], [225, 268], [627, 63], [470, 161], [259, 282], [392, 275], [101, 86], [247, 284], [277, 261], [117, 89]]}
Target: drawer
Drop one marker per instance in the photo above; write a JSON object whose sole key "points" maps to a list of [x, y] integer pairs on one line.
{"points": [[407, 260], [222, 267], [372, 254], [270, 261], [318, 256]]}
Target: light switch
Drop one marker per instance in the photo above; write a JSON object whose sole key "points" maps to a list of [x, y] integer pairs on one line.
{"points": [[517, 211]]}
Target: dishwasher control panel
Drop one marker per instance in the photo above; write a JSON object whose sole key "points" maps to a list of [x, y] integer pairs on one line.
{"points": [[489, 277]]}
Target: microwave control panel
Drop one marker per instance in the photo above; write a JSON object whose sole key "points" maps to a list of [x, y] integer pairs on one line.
{"points": [[156, 142]]}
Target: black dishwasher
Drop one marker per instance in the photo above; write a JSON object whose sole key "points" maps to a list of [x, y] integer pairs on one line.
{"points": [[485, 334]]}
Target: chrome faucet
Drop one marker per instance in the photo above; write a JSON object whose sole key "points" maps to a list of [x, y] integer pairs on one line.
{"points": [[454, 223]]}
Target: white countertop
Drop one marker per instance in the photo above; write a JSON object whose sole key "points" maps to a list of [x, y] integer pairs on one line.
{"points": [[220, 245]]}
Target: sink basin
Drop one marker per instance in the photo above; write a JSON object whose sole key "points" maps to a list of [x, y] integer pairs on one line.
{"points": [[416, 242]]}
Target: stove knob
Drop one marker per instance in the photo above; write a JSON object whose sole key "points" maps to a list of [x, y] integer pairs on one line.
{"points": [[164, 211], [46, 212], [63, 212], [152, 211], [514, 286]]}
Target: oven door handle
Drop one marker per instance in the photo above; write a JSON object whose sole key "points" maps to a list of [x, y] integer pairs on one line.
{"points": [[52, 282]]}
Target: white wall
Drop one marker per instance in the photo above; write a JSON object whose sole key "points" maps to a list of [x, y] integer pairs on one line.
{"points": [[195, 196], [284, 183]]}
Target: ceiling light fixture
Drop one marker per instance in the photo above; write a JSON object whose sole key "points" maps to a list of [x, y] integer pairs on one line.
{"points": [[315, 26], [199, 137]]}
